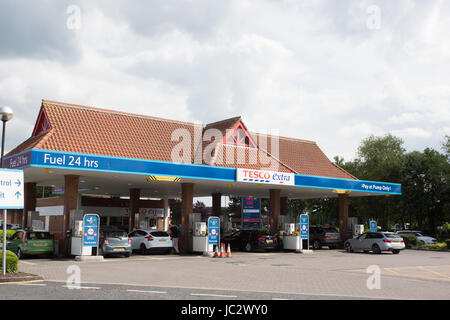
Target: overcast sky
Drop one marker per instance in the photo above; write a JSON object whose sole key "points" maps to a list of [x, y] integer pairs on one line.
{"points": [[329, 71]]}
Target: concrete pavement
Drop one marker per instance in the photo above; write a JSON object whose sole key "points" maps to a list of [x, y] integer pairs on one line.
{"points": [[324, 274]]}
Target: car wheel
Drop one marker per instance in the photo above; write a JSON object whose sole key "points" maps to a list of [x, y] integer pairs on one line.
{"points": [[19, 253], [348, 247], [376, 249], [395, 251], [317, 245], [248, 247], [143, 249]]}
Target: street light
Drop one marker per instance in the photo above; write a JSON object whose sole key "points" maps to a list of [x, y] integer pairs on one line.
{"points": [[6, 114]]}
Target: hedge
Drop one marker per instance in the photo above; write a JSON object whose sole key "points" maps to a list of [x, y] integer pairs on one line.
{"points": [[12, 262], [411, 241], [9, 234]]}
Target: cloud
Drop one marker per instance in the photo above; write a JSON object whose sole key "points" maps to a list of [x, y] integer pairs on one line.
{"points": [[312, 69]]}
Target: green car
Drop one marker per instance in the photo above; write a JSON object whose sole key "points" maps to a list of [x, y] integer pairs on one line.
{"points": [[29, 242]]}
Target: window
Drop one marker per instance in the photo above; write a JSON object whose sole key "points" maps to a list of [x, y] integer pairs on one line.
{"points": [[159, 234], [239, 136], [38, 236]]}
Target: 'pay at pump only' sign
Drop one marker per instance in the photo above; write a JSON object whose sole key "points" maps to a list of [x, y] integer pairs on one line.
{"points": [[11, 189]]}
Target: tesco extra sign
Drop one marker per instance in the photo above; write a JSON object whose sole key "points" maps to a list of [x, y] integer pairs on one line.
{"points": [[261, 176]]}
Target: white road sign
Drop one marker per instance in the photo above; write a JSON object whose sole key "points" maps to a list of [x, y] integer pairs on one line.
{"points": [[11, 189]]}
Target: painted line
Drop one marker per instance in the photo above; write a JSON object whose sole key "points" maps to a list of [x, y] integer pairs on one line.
{"points": [[248, 291], [434, 272], [392, 271], [33, 284], [74, 287], [21, 282], [212, 295], [144, 291], [26, 262]]}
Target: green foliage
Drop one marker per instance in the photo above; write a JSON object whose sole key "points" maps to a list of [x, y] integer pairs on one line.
{"points": [[411, 241], [12, 262], [425, 199], [9, 234]]}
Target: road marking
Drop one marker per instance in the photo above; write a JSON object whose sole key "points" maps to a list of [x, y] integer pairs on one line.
{"points": [[434, 272], [144, 291], [33, 284], [212, 295], [26, 262], [390, 270], [79, 287], [248, 291]]}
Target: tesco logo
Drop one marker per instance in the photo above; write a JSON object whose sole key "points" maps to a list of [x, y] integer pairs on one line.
{"points": [[268, 177], [257, 174]]}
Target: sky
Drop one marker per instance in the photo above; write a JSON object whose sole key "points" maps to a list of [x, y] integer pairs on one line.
{"points": [[329, 71]]}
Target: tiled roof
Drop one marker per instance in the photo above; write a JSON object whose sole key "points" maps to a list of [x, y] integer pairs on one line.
{"points": [[89, 130]]}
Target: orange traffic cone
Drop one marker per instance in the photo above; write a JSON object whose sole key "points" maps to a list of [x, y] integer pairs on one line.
{"points": [[222, 251], [217, 255], [229, 251]]}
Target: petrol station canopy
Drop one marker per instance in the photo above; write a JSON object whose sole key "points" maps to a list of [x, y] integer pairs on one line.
{"points": [[114, 151]]}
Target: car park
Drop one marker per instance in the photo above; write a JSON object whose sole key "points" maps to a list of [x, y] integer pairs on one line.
{"points": [[376, 242], [30, 242], [320, 236], [114, 242], [147, 241], [250, 240], [419, 235]]}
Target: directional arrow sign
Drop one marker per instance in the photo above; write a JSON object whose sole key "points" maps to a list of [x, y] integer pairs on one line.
{"points": [[11, 189]]}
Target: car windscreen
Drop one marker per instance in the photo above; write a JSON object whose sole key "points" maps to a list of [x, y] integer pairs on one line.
{"points": [[159, 234], [38, 236], [330, 230], [391, 235]]}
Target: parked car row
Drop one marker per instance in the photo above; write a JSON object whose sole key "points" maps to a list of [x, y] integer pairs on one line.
{"points": [[112, 241]]}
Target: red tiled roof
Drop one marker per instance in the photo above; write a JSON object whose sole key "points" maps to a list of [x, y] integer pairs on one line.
{"points": [[89, 130]]}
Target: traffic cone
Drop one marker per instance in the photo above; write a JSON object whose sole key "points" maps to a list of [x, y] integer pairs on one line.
{"points": [[229, 251], [222, 251], [217, 255]]}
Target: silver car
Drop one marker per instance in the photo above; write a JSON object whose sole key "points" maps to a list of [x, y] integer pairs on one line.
{"points": [[376, 242], [115, 242], [419, 236]]}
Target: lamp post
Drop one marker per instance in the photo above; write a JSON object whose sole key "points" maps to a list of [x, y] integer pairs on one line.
{"points": [[6, 114]]}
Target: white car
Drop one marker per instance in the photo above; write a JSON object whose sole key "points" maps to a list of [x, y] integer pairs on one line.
{"points": [[150, 241], [419, 236], [376, 242]]}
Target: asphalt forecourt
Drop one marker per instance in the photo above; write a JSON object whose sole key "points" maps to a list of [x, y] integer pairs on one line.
{"points": [[324, 274]]}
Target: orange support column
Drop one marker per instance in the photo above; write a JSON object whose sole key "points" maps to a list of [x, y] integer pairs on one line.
{"points": [[187, 200], [70, 203], [343, 215], [216, 204], [275, 207], [135, 195], [29, 189]]}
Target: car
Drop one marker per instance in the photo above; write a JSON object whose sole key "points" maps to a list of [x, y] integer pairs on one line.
{"points": [[115, 242], [419, 235], [151, 241], [11, 226], [376, 242], [320, 236], [250, 240], [31, 242]]}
